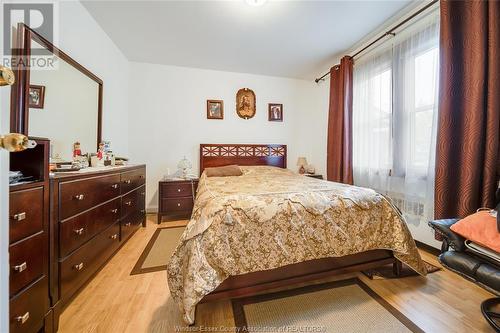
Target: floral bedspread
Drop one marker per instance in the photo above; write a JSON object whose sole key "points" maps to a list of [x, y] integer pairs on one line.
{"points": [[271, 217]]}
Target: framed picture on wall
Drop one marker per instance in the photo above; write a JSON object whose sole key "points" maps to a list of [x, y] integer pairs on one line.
{"points": [[245, 103], [275, 112], [215, 109], [36, 96]]}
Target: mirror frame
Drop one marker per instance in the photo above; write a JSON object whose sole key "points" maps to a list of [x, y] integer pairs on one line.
{"points": [[21, 52]]}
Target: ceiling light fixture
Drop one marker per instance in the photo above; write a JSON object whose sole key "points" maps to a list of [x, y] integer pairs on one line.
{"points": [[255, 3]]}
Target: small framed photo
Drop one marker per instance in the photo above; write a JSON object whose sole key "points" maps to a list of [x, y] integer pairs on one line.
{"points": [[275, 112], [215, 109], [36, 96]]}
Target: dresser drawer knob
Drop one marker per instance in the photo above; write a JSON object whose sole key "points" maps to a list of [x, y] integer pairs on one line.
{"points": [[21, 267], [178, 204], [24, 318], [79, 231], [127, 224], [20, 216], [178, 190], [79, 197], [115, 236], [128, 203], [79, 266], [114, 186], [127, 181], [114, 211]]}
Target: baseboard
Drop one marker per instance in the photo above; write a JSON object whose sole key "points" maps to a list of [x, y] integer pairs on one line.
{"points": [[428, 248]]}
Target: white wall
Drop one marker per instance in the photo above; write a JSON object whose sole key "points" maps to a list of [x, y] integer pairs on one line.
{"points": [[168, 117], [84, 40]]}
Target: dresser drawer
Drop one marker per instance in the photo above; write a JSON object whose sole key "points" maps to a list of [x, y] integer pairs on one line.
{"points": [[28, 309], [132, 179], [133, 202], [177, 204], [26, 260], [130, 224], [79, 266], [25, 213], [77, 196], [174, 190], [77, 230]]}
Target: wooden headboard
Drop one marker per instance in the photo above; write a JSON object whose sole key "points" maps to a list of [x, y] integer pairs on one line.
{"points": [[214, 155]]}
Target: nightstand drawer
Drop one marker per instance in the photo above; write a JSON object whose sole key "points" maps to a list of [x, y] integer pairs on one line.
{"points": [[177, 204], [171, 190], [175, 198]]}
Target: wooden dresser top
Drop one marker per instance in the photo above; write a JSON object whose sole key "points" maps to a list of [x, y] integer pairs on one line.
{"points": [[94, 171]]}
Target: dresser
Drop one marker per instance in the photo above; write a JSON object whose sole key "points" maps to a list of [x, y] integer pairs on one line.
{"points": [[62, 230], [29, 242], [176, 198], [92, 215]]}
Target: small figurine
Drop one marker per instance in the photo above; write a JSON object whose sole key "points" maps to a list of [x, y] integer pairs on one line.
{"points": [[76, 149], [100, 151]]}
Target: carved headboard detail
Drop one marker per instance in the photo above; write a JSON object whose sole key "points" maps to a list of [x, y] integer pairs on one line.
{"points": [[214, 155]]}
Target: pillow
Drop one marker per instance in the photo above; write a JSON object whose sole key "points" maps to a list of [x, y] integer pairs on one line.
{"points": [[480, 228], [224, 171]]}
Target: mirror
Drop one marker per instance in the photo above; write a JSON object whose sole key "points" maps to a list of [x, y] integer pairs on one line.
{"points": [[62, 102]]}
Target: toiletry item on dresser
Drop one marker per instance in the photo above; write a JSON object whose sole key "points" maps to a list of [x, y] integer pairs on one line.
{"points": [[93, 160]]}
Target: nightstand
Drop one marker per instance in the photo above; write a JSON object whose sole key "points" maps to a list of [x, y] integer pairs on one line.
{"points": [[176, 198], [313, 176]]}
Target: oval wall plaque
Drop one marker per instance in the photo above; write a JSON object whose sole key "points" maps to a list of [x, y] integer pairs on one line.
{"points": [[245, 103]]}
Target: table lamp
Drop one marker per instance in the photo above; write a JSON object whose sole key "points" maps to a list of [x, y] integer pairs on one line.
{"points": [[302, 162], [184, 165]]}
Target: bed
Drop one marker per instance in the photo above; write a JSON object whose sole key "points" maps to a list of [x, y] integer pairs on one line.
{"points": [[271, 228]]}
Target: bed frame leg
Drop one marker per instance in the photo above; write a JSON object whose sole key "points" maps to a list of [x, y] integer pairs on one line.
{"points": [[397, 267]]}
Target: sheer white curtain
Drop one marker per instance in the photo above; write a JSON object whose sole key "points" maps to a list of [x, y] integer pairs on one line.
{"points": [[395, 118]]}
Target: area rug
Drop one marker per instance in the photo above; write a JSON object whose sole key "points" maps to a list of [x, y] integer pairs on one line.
{"points": [[342, 306], [158, 251], [386, 272]]}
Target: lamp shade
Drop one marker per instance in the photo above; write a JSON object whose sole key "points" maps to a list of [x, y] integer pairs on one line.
{"points": [[184, 164], [301, 161]]}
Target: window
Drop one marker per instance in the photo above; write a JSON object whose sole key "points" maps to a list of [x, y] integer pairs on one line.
{"points": [[425, 68], [394, 115]]}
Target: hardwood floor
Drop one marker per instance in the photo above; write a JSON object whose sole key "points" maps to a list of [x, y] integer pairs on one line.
{"points": [[115, 301]]}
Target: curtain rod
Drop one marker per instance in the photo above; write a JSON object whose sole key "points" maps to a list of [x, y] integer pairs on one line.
{"points": [[390, 32]]}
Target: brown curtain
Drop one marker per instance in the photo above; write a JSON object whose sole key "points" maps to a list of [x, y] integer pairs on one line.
{"points": [[339, 149], [467, 156]]}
